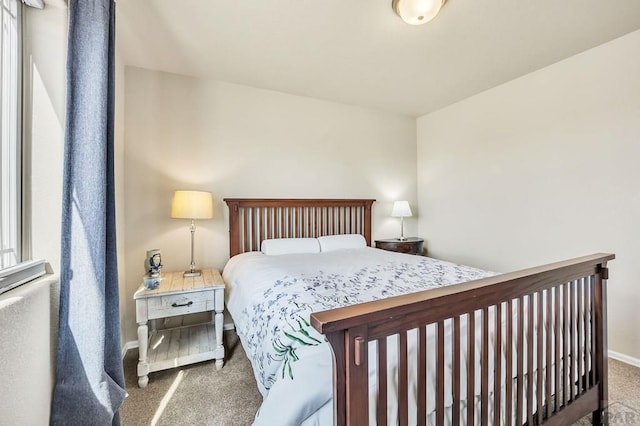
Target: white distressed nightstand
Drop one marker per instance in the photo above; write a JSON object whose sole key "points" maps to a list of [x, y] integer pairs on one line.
{"points": [[176, 295]]}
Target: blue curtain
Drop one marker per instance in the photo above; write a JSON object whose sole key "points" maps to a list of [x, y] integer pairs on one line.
{"points": [[89, 387]]}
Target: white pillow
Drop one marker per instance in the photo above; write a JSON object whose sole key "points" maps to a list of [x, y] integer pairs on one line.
{"points": [[290, 246], [341, 242]]}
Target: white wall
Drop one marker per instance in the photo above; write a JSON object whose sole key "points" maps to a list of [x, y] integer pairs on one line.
{"points": [[543, 168], [45, 47], [25, 350], [31, 311], [238, 141]]}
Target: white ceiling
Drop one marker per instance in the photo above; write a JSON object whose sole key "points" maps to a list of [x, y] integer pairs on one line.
{"points": [[358, 51]]}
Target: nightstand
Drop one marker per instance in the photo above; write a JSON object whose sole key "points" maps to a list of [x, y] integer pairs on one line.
{"points": [[174, 347], [410, 245]]}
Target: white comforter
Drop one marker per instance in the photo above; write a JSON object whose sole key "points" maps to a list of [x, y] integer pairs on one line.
{"points": [[272, 297]]}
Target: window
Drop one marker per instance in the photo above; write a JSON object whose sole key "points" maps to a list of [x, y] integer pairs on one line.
{"points": [[13, 270], [9, 127]]}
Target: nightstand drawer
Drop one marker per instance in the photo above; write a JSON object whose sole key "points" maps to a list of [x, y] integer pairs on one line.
{"points": [[411, 245], [180, 304]]}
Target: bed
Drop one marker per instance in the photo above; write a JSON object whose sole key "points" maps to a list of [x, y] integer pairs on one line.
{"points": [[534, 341]]}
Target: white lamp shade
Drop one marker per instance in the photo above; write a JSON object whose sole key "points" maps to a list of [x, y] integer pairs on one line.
{"points": [[417, 12], [192, 205], [401, 209]]}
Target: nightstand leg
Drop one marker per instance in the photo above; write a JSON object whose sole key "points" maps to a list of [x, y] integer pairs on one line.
{"points": [[219, 323], [143, 344]]}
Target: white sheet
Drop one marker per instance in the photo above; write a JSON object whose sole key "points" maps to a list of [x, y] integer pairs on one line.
{"points": [[294, 373], [250, 274]]}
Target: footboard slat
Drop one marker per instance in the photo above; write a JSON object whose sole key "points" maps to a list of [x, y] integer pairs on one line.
{"points": [[455, 344], [549, 357], [422, 374], [440, 374], [382, 381], [484, 368], [572, 340], [594, 341], [565, 346], [571, 323], [471, 374], [540, 364], [497, 362], [509, 368], [556, 359], [520, 361], [553, 341], [588, 362], [581, 383], [530, 348], [403, 400]]}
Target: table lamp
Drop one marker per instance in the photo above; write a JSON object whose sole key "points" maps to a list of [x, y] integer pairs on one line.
{"points": [[401, 209], [192, 205]]}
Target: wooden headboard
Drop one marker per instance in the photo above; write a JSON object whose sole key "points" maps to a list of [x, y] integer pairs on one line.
{"points": [[252, 220]]}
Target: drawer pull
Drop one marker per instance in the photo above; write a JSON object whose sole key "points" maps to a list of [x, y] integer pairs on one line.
{"points": [[177, 305]]}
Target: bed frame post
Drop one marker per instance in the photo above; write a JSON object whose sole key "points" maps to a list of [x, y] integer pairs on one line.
{"points": [[367, 221], [350, 376], [337, 342], [234, 227], [600, 416], [357, 375]]}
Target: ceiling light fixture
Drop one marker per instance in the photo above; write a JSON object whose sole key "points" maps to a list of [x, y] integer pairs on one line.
{"points": [[417, 12]]}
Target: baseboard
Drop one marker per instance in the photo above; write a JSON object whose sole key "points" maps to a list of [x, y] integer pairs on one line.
{"points": [[625, 358], [129, 345], [231, 326], [134, 343]]}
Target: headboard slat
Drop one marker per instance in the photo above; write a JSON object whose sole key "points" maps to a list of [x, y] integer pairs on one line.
{"points": [[252, 220]]}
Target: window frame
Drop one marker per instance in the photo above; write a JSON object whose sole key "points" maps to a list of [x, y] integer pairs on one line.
{"points": [[25, 269]]}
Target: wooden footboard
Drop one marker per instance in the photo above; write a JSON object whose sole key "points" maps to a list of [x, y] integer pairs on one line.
{"points": [[548, 322]]}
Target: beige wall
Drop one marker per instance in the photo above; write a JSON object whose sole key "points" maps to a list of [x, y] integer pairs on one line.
{"points": [[237, 141], [543, 168], [119, 131]]}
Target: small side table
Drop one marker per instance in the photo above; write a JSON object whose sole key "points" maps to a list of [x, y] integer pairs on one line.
{"points": [[174, 347], [410, 245]]}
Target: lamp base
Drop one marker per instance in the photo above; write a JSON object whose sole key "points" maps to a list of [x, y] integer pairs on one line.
{"points": [[194, 273], [402, 239]]}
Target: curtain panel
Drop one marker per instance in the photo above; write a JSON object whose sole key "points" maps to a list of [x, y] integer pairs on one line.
{"points": [[89, 387]]}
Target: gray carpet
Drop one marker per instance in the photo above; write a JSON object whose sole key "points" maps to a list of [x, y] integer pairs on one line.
{"points": [[624, 395], [204, 396]]}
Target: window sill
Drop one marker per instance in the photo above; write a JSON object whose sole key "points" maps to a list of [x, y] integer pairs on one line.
{"points": [[20, 274]]}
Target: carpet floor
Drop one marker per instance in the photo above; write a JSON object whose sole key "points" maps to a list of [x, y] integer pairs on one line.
{"points": [[196, 394], [200, 395]]}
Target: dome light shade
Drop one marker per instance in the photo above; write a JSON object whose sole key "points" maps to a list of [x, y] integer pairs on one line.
{"points": [[417, 12]]}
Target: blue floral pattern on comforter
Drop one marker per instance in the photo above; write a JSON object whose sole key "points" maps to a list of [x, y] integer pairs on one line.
{"points": [[276, 326]]}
